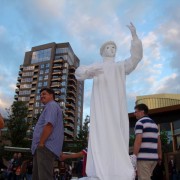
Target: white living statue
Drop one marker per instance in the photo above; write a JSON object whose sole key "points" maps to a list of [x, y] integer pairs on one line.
{"points": [[108, 146]]}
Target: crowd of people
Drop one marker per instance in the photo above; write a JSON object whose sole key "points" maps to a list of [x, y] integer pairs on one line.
{"points": [[17, 168]]}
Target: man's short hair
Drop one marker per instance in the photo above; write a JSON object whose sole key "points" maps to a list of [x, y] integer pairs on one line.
{"points": [[142, 107], [49, 90]]}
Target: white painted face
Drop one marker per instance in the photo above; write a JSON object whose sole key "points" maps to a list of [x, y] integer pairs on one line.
{"points": [[109, 50]]}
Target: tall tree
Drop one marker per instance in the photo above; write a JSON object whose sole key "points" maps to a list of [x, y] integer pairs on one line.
{"points": [[82, 138], [17, 125]]}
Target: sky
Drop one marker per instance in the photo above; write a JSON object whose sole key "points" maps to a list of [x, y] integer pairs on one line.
{"points": [[86, 25]]}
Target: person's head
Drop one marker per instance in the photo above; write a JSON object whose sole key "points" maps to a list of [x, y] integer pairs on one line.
{"points": [[141, 110], [19, 155], [47, 94], [108, 49], [15, 155]]}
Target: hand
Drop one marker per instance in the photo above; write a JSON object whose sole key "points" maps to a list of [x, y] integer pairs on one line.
{"points": [[63, 157], [95, 71], [133, 159], [132, 29], [40, 145]]}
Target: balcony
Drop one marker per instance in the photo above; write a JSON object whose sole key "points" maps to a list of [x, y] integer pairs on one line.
{"points": [[18, 84], [55, 84], [72, 92], [57, 91], [20, 73], [32, 95], [31, 101], [56, 79], [72, 81], [68, 132], [29, 115], [17, 91], [72, 86], [34, 82], [69, 118], [30, 108], [71, 99], [57, 99], [70, 105], [19, 79], [36, 70], [69, 125], [21, 67], [72, 69], [58, 67], [59, 60], [56, 73], [16, 97], [35, 76], [33, 88], [71, 75], [69, 112]]}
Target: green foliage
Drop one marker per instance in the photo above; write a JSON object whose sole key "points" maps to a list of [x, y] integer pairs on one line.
{"points": [[131, 140], [17, 124], [82, 138], [164, 141], [164, 137]]}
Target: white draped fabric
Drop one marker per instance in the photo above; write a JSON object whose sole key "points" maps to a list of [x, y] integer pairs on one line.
{"points": [[108, 146]]}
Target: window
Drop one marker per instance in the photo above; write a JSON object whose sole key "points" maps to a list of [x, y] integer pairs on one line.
{"points": [[61, 50], [23, 98], [37, 104], [45, 77], [45, 83], [63, 83], [26, 80], [24, 92], [40, 84], [41, 55], [25, 86], [28, 68], [41, 72], [36, 111], [42, 66], [47, 65], [38, 97], [27, 73], [46, 71], [40, 78]]}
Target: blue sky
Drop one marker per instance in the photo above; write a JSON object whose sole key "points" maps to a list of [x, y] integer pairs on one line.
{"points": [[86, 25]]}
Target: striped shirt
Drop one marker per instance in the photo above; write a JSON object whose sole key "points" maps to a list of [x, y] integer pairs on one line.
{"points": [[149, 146]]}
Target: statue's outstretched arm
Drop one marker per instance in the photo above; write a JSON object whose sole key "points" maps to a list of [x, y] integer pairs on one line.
{"points": [[88, 72], [132, 28], [136, 51]]}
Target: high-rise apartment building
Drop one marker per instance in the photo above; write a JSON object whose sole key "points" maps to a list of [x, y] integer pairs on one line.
{"points": [[52, 65], [159, 100]]}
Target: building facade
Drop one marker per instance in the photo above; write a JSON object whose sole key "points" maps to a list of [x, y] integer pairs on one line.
{"points": [[159, 100], [52, 65]]}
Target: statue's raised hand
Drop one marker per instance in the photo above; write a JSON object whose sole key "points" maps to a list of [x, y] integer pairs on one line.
{"points": [[132, 29]]}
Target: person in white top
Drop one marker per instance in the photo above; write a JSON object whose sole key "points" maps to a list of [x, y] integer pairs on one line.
{"points": [[108, 145]]}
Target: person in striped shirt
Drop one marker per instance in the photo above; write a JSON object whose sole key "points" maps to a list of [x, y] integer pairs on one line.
{"points": [[147, 145]]}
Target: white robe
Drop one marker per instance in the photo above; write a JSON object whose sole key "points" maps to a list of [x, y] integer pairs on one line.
{"points": [[108, 146]]}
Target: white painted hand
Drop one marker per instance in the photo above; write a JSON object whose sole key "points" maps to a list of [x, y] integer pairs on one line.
{"points": [[132, 29]]}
